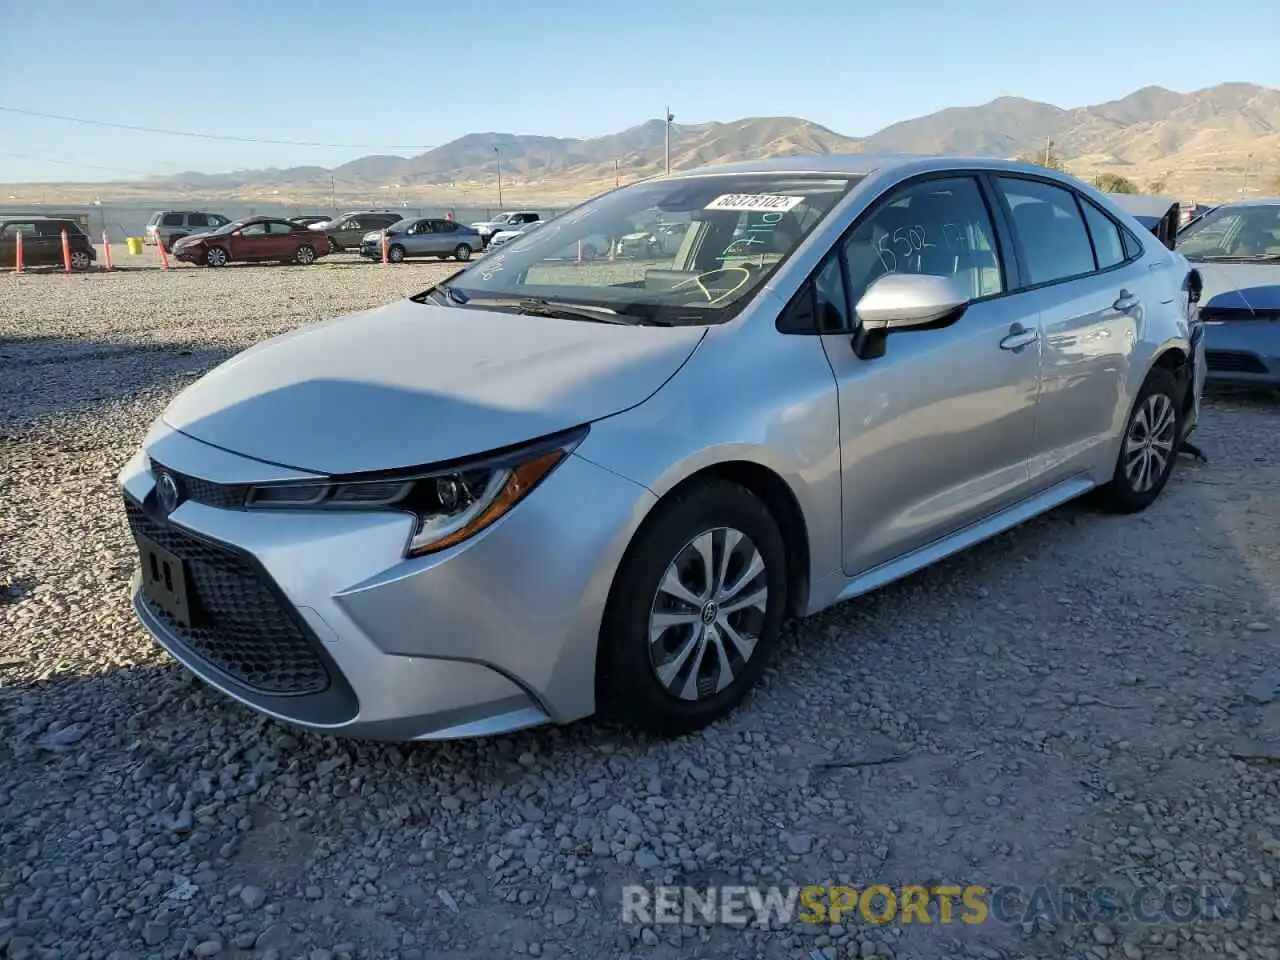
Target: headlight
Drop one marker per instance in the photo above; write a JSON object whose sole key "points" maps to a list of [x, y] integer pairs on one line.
{"points": [[451, 504]]}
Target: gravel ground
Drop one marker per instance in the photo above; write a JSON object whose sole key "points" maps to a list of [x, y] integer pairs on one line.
{"points": [[1081, 702]]}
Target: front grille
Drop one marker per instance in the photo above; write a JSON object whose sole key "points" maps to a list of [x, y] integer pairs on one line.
{"points": [[1231, 361], [242, 628], [204, 491]]}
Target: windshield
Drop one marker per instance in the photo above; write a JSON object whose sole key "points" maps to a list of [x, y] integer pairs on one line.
{"points": [[685, 250], [1233, 233]]}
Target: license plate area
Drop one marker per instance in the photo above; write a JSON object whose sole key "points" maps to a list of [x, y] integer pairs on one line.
{"points": [[164, 580]]}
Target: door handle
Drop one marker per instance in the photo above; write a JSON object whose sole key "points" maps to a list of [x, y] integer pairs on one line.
{"points": [[1019, 337], [1125, 302]]}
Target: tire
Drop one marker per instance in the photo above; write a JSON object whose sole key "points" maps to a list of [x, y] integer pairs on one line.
{"points": [[216, 257], [685, 698], [462, 252], [395, 253], [80, 260], [1159, 404], [305, 255], [334, 246]]}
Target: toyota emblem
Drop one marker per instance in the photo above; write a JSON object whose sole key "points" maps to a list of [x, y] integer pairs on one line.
{"points": [[168, 493]]}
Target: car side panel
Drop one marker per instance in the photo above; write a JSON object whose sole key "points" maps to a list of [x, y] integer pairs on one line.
{"points": [[787, 422]]}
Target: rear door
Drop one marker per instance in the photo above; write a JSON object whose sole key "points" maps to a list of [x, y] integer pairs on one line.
{"points": [[9, 243], [1089, 292]]}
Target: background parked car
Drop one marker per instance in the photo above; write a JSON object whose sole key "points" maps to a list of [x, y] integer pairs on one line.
{"points": [[42, 242], [349, 229], [1236, 249], [510, 220], [423, 237], [170, 226], [254, 239], [502, 236]]}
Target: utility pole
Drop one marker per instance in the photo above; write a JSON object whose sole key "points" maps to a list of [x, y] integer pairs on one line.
{"points": [[617, 178], [498, 156], [333, 195], [1247, 161], [1048, 145], [670, 117]]}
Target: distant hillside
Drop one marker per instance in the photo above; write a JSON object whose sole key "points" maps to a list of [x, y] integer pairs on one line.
{"points": [[1201, 143]]}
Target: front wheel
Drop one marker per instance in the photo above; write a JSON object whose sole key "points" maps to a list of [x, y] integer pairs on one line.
{"points": [[80, 260], [216, 257], [306, 255], [462, 252], [1149, 448], [695, 611], [396, 253]]}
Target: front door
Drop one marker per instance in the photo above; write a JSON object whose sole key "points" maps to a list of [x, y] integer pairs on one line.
{"points": [[936, 433]]}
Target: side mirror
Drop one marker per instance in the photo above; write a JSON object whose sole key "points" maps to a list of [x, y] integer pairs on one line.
{"points": [[906, 301]]}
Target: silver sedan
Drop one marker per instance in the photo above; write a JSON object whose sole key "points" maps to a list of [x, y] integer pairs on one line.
{"points": [[422, 237], [552, 485]]}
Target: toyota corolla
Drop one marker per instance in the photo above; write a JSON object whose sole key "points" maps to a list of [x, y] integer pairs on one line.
{"points": [[551, 486]]}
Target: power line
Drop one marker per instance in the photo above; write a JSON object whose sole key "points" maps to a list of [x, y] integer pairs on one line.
{"points": [[217, 136], [75, 163]]}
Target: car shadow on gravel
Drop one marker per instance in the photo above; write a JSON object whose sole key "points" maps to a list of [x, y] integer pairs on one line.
{"points": [[43, 377]]}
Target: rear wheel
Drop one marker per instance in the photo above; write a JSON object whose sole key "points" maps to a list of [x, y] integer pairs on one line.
{"points": [[334, 245], [1149, 448], [216, 257], [695, 611], [306, 255], [462, 252]]}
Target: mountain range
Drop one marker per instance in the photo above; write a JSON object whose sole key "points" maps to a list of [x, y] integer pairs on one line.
{"points": [[1213, 142]]}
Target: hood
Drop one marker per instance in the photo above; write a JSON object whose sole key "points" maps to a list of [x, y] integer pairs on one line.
{"points": [[321, 226], [193, 238], [412, 384], [1250, 287]]}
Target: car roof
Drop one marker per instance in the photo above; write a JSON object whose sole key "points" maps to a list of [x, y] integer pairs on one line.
{"points": [[1256, 202], [859, 164]]}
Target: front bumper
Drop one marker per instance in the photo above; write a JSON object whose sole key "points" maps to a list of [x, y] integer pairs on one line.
{"points": [[1243, 353], [326, 626]]}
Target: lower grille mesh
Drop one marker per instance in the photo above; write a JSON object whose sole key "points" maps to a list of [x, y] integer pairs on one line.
{"points": [[242, 628]]}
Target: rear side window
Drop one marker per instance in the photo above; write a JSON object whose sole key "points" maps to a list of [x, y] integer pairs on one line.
{"points": [[1132, 245], [13, 229], [1107, 245], [197, 220], [1055, 243], [172, 220]]}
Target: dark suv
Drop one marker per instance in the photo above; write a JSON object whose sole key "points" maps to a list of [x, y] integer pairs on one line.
{"points": [[42, 242], [346, 232]]}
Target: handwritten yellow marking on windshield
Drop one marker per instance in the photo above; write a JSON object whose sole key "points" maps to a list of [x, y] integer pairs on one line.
{"points": [[713, 300]]}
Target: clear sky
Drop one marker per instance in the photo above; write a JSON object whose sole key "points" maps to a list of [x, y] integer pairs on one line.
{"points": [[423, 73]]}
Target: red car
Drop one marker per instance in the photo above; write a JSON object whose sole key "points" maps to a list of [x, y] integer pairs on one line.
{"points": [[253, 239]]}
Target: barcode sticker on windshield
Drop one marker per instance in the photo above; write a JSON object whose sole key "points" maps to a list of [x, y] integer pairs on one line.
{"points": [[764, 202]]}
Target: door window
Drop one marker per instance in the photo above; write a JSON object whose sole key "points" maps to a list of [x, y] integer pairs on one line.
{"points": [[254, 230], [279, 228], [11, 230], [172, 220], [1050, 229], [197, 220], [1107, 245], [936, 227]]}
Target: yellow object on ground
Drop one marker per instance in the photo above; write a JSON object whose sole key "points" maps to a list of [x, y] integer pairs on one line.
{"points": [[135, 245]]}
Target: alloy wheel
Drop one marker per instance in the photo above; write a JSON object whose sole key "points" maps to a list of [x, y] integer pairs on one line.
{"points": [[80, 260], [1149, 444], [706, 617], [306, 255]]}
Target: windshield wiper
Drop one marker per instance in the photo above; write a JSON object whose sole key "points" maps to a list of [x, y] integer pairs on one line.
{"points": [[1226, 258], [441, 294], [538, 307]]}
